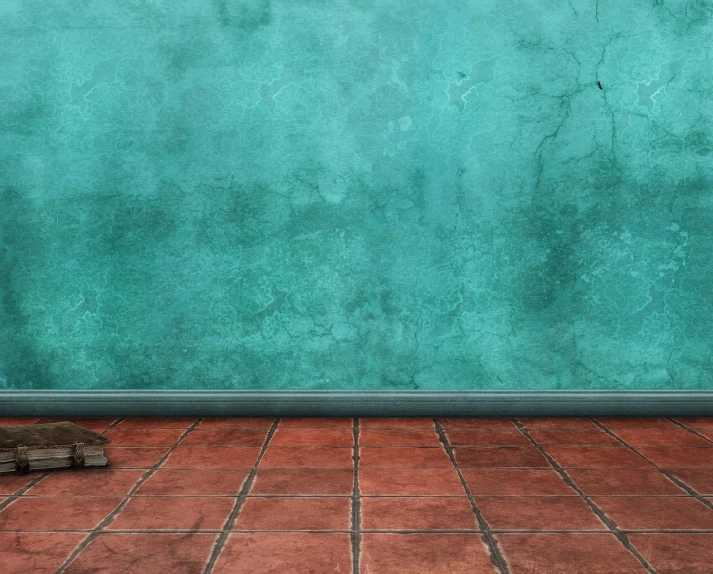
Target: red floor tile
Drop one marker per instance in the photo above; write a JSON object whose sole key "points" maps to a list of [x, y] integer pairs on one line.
{"points": [[87, 482], [476, 423], [236, 423], [572, 437], [295, 514], [567, 553], [156, 423], [399, 437], [696, 422], [313, 437], [678, 457], [538, 513], [139, 437], [624, 482], [316, 423], [307, 457], [11, 483], [676, 553], [417, 513], [304, 481], [511, 482], [404, 423], [487, 437], [699, 479], [658, 437], [18, 421], [194, 482], [556, 423], [212, 457], [404, 457], [134, 457], [416, 482], [293, 552], [500, 457], [424, 554], [656, 513], [143, 553], [636, 423], [36, 553], [173, 513], [596, 457], [58, 514], [225, 437]]}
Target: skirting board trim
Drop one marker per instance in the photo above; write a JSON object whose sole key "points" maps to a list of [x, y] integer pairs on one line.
{"points": [[207, 403]]}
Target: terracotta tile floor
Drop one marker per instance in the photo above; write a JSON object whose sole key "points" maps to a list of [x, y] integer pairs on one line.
{"points": [[372, 496]]}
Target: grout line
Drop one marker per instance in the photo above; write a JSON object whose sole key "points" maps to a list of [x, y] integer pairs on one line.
{"points": [[239, 501], [689, 429], [368, 531], [496, 557], [524, 531], [598, 511], [410, 468], [694, 493], [356, 503], [115, 423], [350, 496], [458, 447], [110, 517]]}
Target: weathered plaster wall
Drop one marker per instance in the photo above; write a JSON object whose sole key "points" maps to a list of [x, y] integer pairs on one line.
{"points": [[364, 194]]}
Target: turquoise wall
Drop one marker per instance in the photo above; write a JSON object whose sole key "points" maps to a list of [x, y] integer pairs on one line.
{"points": [[356, 194]]}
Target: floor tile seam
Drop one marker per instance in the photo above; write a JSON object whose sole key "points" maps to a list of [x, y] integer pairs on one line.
{"points": [[612, 447], [553, 428], [233, 495], [21, 491], [161, 428], [199, 427], [110, 517], [677, 481], [681, 531], [288, 447], [606, 532], [239, 501], [201, 496], [588, 495], [241, 530], [638, 425], [610, 524], [690, 430], [361, 496], [192, 468], [414, 468], [392, 445], [409, 468], [356, 503], [404, 446], [495, 554]]}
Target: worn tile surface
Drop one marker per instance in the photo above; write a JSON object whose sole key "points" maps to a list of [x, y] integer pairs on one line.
{"points": [[397, 496]]}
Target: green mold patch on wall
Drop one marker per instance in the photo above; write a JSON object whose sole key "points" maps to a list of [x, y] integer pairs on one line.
{"points": [[356, 194]]}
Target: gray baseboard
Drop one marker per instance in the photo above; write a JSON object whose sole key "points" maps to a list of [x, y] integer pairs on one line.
{"points": [[126, 403]]}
